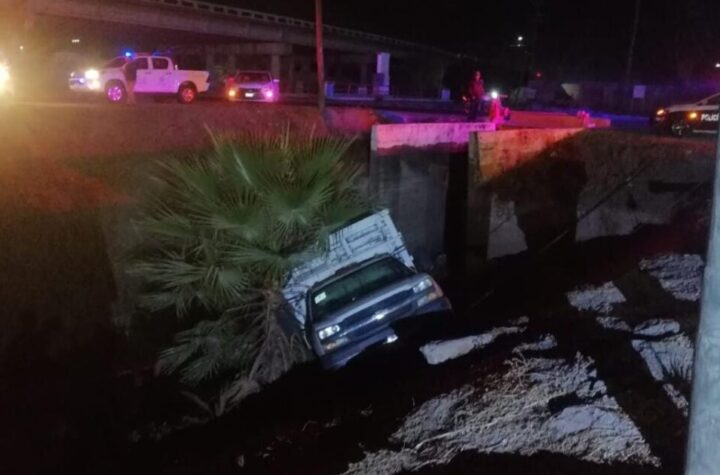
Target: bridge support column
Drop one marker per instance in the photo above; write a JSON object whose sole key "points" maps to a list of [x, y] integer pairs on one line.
{"points": [[290, 78], [363, 74], [275, 65], [383, 74], [209, 60]]}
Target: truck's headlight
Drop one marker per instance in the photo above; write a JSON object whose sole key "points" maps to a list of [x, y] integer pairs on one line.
{"points": [[423, 285], [430, 297], [92, 74], [326, 333], [430, 291]]}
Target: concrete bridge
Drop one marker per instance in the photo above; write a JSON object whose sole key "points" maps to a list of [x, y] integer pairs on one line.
{"points": [[283, 44]]}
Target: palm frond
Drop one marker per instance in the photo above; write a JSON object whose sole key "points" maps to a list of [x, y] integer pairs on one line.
{"points": [[226, 227]]}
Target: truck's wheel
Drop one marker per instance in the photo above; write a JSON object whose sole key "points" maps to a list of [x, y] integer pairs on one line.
{"points": [[679, 128], [187, 94], [115, 92]]}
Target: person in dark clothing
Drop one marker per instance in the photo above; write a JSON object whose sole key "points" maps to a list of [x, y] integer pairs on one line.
{"points": [[476, 91], [130, 71]]}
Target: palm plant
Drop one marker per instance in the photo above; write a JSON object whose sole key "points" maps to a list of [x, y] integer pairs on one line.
{"points": [[224, 231]]}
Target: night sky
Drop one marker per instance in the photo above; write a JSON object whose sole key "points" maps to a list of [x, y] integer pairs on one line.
{"points": [[586, 39]]}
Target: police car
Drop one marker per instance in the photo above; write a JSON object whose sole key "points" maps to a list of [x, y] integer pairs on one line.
{"points": [[683, 119]]}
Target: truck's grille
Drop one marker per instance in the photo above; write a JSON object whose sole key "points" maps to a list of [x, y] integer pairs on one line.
{"points": [[250, 93], [361, 323]]}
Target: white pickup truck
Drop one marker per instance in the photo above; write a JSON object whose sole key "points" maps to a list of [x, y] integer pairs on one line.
{"points": [[349, 299], [156, 75]]}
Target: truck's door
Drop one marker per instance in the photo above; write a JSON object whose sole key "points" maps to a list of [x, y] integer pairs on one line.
{"points": [[162, 75], [143, 75], [709, 114]]}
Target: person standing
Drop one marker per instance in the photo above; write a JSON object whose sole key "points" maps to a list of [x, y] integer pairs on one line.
{"points": [[130, 72], [476, 90]]}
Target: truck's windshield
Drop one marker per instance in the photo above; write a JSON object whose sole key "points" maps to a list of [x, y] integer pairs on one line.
{"points": [[354, 286], [252, 77]]}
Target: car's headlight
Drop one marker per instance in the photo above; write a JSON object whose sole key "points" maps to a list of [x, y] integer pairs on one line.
{"points": [[430, 297], [327, 332], [430, 290], [425, 284], [268, 93], [494, 94], [92, 74]]}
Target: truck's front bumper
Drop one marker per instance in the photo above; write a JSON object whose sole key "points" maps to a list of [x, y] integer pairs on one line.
{"points": [[84, 86], [385, 334]]}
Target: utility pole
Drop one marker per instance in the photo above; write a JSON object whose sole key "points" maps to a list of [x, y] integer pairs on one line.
{"points": [[703, 456], [320, 55], [633, 40], [537, 19]]}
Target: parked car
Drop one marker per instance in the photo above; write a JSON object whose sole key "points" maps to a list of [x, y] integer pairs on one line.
{"points": [[156, 76], [254, 86], [684, 119], [348, 300]]}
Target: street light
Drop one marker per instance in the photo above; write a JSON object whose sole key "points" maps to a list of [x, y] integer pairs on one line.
{"points": [[520, 39]]}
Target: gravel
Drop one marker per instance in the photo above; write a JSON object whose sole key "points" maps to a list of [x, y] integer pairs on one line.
{"points": [[537, 405], [667, 357], [438, 352], [614, 323], [679, 274], [546, 342], [657, 328], [597, 299]]}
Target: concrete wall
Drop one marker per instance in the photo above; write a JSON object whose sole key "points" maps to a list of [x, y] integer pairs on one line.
{"points": [[457, 133], [552, 120], [532, 189], [513, 191], [414, 185], [492, 223], [386, 137]]}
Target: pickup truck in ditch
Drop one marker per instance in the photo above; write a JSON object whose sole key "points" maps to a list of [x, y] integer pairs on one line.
{"points": [[348, 299], [156, 76]]}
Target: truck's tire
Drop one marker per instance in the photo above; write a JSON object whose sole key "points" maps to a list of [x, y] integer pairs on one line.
{"points": [[115, 92], [679, 128], [187, 94]]}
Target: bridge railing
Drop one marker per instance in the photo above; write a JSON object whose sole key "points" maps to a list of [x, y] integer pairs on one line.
{"points": [[206, 7]]}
